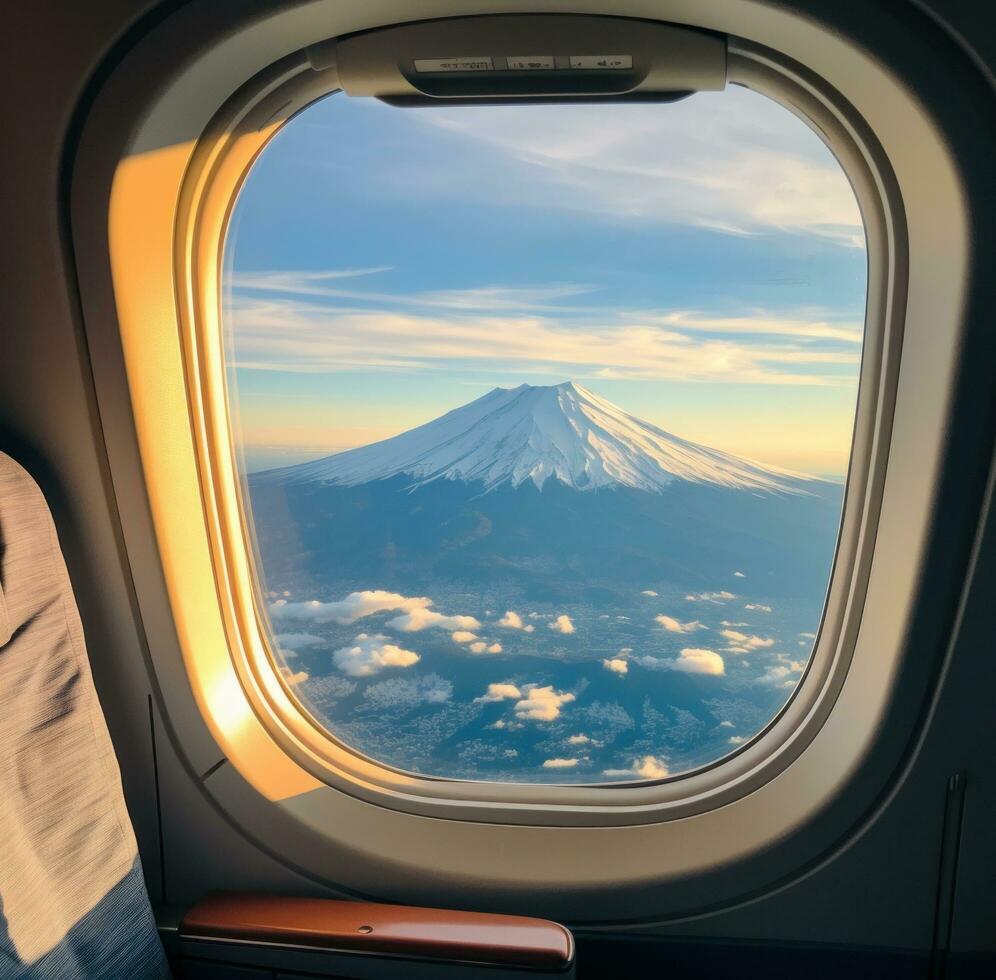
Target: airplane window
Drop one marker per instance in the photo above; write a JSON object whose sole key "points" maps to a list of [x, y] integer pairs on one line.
{"points": [[544, 415]]}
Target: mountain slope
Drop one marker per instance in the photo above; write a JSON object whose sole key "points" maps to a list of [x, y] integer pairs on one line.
{"points": [[489, 494], [535, 433]]}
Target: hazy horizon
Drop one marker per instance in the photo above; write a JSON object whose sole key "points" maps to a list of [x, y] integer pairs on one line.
{"points": [[258, 459]]}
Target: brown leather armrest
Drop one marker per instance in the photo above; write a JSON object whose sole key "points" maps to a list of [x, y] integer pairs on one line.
{"points": [[393, 930]]}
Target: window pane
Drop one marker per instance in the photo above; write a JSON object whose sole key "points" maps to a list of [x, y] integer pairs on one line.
{"points": [[545, 415]]}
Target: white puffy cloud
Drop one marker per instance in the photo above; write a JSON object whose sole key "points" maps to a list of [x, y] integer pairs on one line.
{"points": [[673, 625], [758, 607], [616, 665], [541, 703], [742, 642], [726, 724], [737, 739], [808, 636], [422, 618], [692, 660], [500, 692], [739, 575], [528, 629], [355, 606], [482, 646], [580, 740], [651, 767], [560, 763], [292, 642], [646, 767], [649, 592], [511, 621], [562, 624], [714, 597], [779, 675], [509, 726], [293, 677], [783, 674], [417, 613], [464, 636], [370, 654]]}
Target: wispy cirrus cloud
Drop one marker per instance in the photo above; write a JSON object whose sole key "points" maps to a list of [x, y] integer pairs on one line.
{"points": [[495, 298], [301, 334], [758, 323], [733, 162], [713, 597], [542, 299]]}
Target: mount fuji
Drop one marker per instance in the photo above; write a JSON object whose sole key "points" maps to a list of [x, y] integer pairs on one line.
{"points": [[551, 491], [536, 433]]}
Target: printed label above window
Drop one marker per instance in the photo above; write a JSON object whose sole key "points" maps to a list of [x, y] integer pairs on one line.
{"points": [[453, 64]]}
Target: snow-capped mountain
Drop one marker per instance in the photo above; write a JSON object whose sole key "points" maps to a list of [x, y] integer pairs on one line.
{"points": [[492, 496], [537, 432]]}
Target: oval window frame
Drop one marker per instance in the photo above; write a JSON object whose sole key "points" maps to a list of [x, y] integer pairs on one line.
{"points": [[222, 158]]}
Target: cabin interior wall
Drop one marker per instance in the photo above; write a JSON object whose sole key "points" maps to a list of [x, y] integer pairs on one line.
{"points": [[48, 416], [880, 891]]}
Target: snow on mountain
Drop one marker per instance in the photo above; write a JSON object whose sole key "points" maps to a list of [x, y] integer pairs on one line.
{"points": [[535, 432]]}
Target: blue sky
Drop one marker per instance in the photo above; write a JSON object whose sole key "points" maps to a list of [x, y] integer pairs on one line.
{"points": [[700, 264]]}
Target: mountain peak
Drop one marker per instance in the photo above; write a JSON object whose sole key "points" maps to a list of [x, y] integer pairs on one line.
{"points": [[537, 432], [569, 388]]}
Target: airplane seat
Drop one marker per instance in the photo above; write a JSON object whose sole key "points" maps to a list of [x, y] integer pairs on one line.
{"points": [[73, 901]]}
